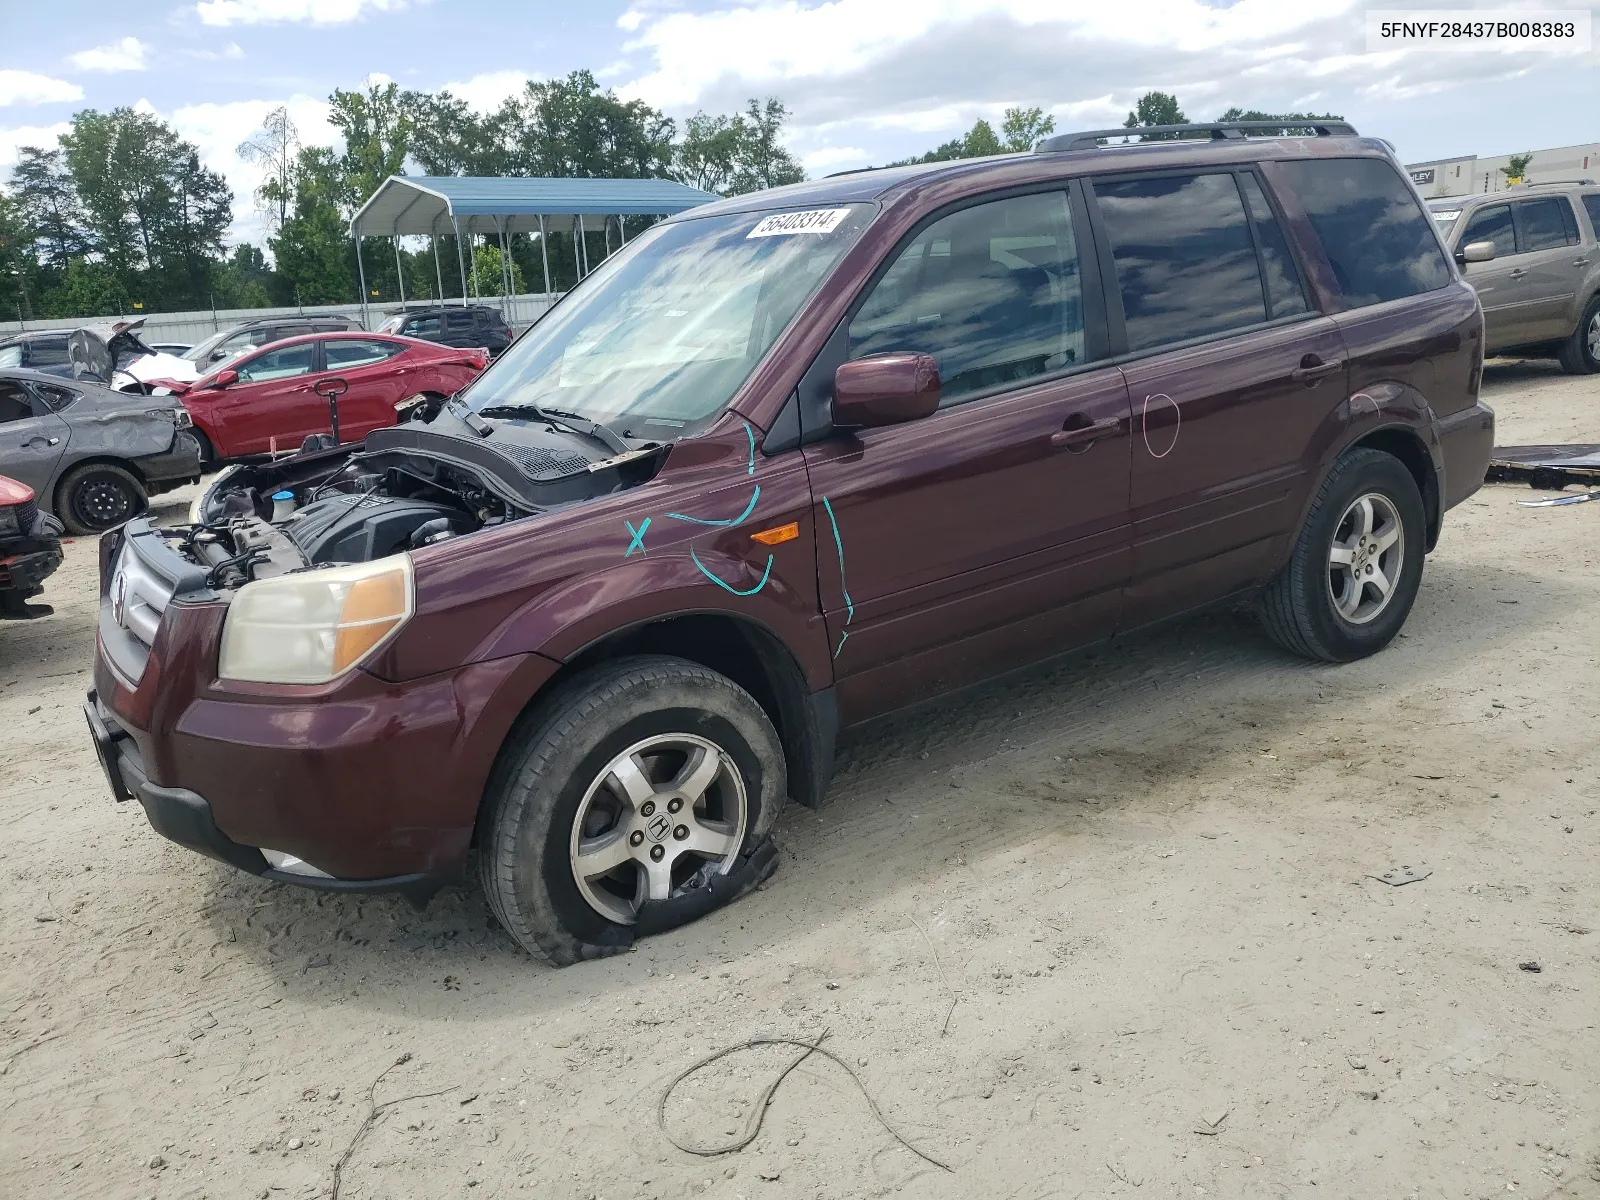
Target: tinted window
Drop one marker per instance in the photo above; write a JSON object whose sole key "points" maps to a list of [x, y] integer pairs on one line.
{"points": [[1371, 227], [424, 327], [1285, 296], [992, 292], [1542, 226], [14, 402], [1186, 266], [1570, 221], [280, 364], [1592, 203], [459, 322], [357, 352], [55, 398], [48, 352], [1492, 225]]}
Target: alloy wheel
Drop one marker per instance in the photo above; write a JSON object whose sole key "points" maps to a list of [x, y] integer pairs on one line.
{"points": [[1592, 337], [1366, 558], [668, 811]]}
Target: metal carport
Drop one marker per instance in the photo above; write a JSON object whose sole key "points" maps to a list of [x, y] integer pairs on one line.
{"points": [[416, 205]]}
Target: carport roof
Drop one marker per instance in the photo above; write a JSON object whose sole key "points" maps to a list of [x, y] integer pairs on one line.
{"points": [[423, 204]]}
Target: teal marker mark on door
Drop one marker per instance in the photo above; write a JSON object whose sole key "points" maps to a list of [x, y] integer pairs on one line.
{"points": [[749, 433], [638, 537], [724, 584], [748, 509], [838, 544]]}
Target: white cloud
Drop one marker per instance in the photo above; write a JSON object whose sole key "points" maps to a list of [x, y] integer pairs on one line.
{"points": [[834, 158], [126, 55], [217, 129], [43, 136], [898, 76], [26, 87], [271, 12], [488, 91]]}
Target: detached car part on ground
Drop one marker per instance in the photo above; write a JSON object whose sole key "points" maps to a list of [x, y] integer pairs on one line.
{"points": [[93, 456], [30, 551], [779, 466]]}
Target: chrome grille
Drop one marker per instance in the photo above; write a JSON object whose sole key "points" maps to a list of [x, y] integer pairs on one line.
{"points": [[138, 595]]}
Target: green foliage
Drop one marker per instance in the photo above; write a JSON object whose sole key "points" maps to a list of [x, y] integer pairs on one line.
{"points": [[1156, 108], [1517, 167], [490, 283], [1025, 128], [87, 289], [731, 155]]}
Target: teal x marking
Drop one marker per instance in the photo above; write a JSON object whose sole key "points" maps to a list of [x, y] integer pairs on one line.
{"points": [[638, 537]]}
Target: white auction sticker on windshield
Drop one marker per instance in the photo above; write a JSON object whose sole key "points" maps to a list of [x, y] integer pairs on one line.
{"points": [[817, 220]]}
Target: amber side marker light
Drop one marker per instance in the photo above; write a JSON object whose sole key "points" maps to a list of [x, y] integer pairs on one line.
{"points": [[782, 533]]}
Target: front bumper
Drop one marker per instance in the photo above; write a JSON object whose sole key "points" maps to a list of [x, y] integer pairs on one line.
{"points": [[27, 571], [185, 817]]}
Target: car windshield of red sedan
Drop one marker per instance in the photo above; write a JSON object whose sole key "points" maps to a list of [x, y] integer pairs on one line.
{"points": [[666, 330]]}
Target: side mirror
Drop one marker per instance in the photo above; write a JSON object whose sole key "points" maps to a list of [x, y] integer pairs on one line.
{"points": [[223, 378], [1475, 252], [885, 389]]}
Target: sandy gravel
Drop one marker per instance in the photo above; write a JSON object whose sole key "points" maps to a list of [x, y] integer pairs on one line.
{"points": [[1108, 931]]}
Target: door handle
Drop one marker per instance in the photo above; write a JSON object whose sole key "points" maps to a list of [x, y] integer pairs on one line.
{"points": [[1580, 262], [1312, 368], [1083, 435], [34, 441], [1518, 272]]}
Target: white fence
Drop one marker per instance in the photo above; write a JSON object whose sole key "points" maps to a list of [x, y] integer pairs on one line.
{"points": [[192, 327]]}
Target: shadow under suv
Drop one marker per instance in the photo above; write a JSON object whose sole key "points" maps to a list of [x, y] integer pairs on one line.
{"points": [[785, 463]]}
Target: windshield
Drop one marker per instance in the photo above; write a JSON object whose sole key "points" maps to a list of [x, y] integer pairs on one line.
{"points": [[666, 331]]}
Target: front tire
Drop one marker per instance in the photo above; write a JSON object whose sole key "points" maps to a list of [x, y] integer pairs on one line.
{"points": [[1356, 567], [636, 782], [99, 496], [1580, 353]]}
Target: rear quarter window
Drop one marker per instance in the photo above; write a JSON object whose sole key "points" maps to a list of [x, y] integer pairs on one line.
{"points": [[1591, 204], [1372, 229]]}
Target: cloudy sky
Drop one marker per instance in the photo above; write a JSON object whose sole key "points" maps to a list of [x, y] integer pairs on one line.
{"points": [[866, 80]]}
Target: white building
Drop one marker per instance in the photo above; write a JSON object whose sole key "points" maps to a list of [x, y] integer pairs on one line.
{"points": [[1470, 174]]}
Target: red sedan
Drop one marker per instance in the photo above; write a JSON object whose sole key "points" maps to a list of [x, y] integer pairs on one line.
{"points": [[273, 399]]}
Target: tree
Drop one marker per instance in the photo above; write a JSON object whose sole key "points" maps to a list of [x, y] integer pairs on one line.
{"points": [[313, 249], [760, 161], [275, 148], [16, 261], [1025, 128], [486, 259], [1155, 108], [448, 138], [1292, 123], [706, 156], [1517, 167], [48, 206], [377, 138], [569, 127]]}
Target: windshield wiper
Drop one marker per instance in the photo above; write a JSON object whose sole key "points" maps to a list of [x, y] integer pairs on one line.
{"points": [[575, 422]]}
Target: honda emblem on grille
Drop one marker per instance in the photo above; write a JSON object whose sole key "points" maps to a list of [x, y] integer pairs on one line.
{"points": [[119, 595]]}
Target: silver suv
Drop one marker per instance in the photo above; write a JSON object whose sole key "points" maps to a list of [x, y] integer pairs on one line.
{"points": [[1531, 253]]}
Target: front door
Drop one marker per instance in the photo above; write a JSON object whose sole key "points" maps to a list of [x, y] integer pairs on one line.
{"points": [[374, 383], [1229, 374], [993, 532], [32, 439], [1553, 262], [1498, 282], [271, 407]]}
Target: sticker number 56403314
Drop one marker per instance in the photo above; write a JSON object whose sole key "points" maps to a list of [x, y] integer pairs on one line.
{"points": [[817, 220]]}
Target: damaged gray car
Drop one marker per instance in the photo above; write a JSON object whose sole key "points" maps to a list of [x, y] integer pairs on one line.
{"points": [[93, 456]]}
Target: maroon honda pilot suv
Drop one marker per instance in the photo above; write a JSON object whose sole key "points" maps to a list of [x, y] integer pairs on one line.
{"points": [[787, 462]]}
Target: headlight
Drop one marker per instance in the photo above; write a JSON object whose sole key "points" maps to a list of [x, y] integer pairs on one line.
{"points": [[314, 626], [10, 522]]}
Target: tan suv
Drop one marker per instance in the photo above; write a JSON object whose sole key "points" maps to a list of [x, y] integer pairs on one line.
{"points": [[1531, 254]]}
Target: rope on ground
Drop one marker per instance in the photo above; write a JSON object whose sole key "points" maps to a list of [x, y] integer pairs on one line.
{"points": [[759, 1114], [374, 1111]]}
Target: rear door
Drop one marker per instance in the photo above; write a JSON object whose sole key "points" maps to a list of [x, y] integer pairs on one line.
{"points": [[1553, 262], [1229, 373], [32, 438], [1498, 282], [376, 376], [981, 537], [271, 407]]}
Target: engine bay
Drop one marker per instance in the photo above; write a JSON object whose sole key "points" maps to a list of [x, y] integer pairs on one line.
{"points": [[406, 487]]}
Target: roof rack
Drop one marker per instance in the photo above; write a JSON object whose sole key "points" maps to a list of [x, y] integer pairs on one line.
{"points": [[1219, 131], [1554, 183]]}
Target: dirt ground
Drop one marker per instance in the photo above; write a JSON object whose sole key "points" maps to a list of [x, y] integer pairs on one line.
{"points": [[1112, 930]]}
